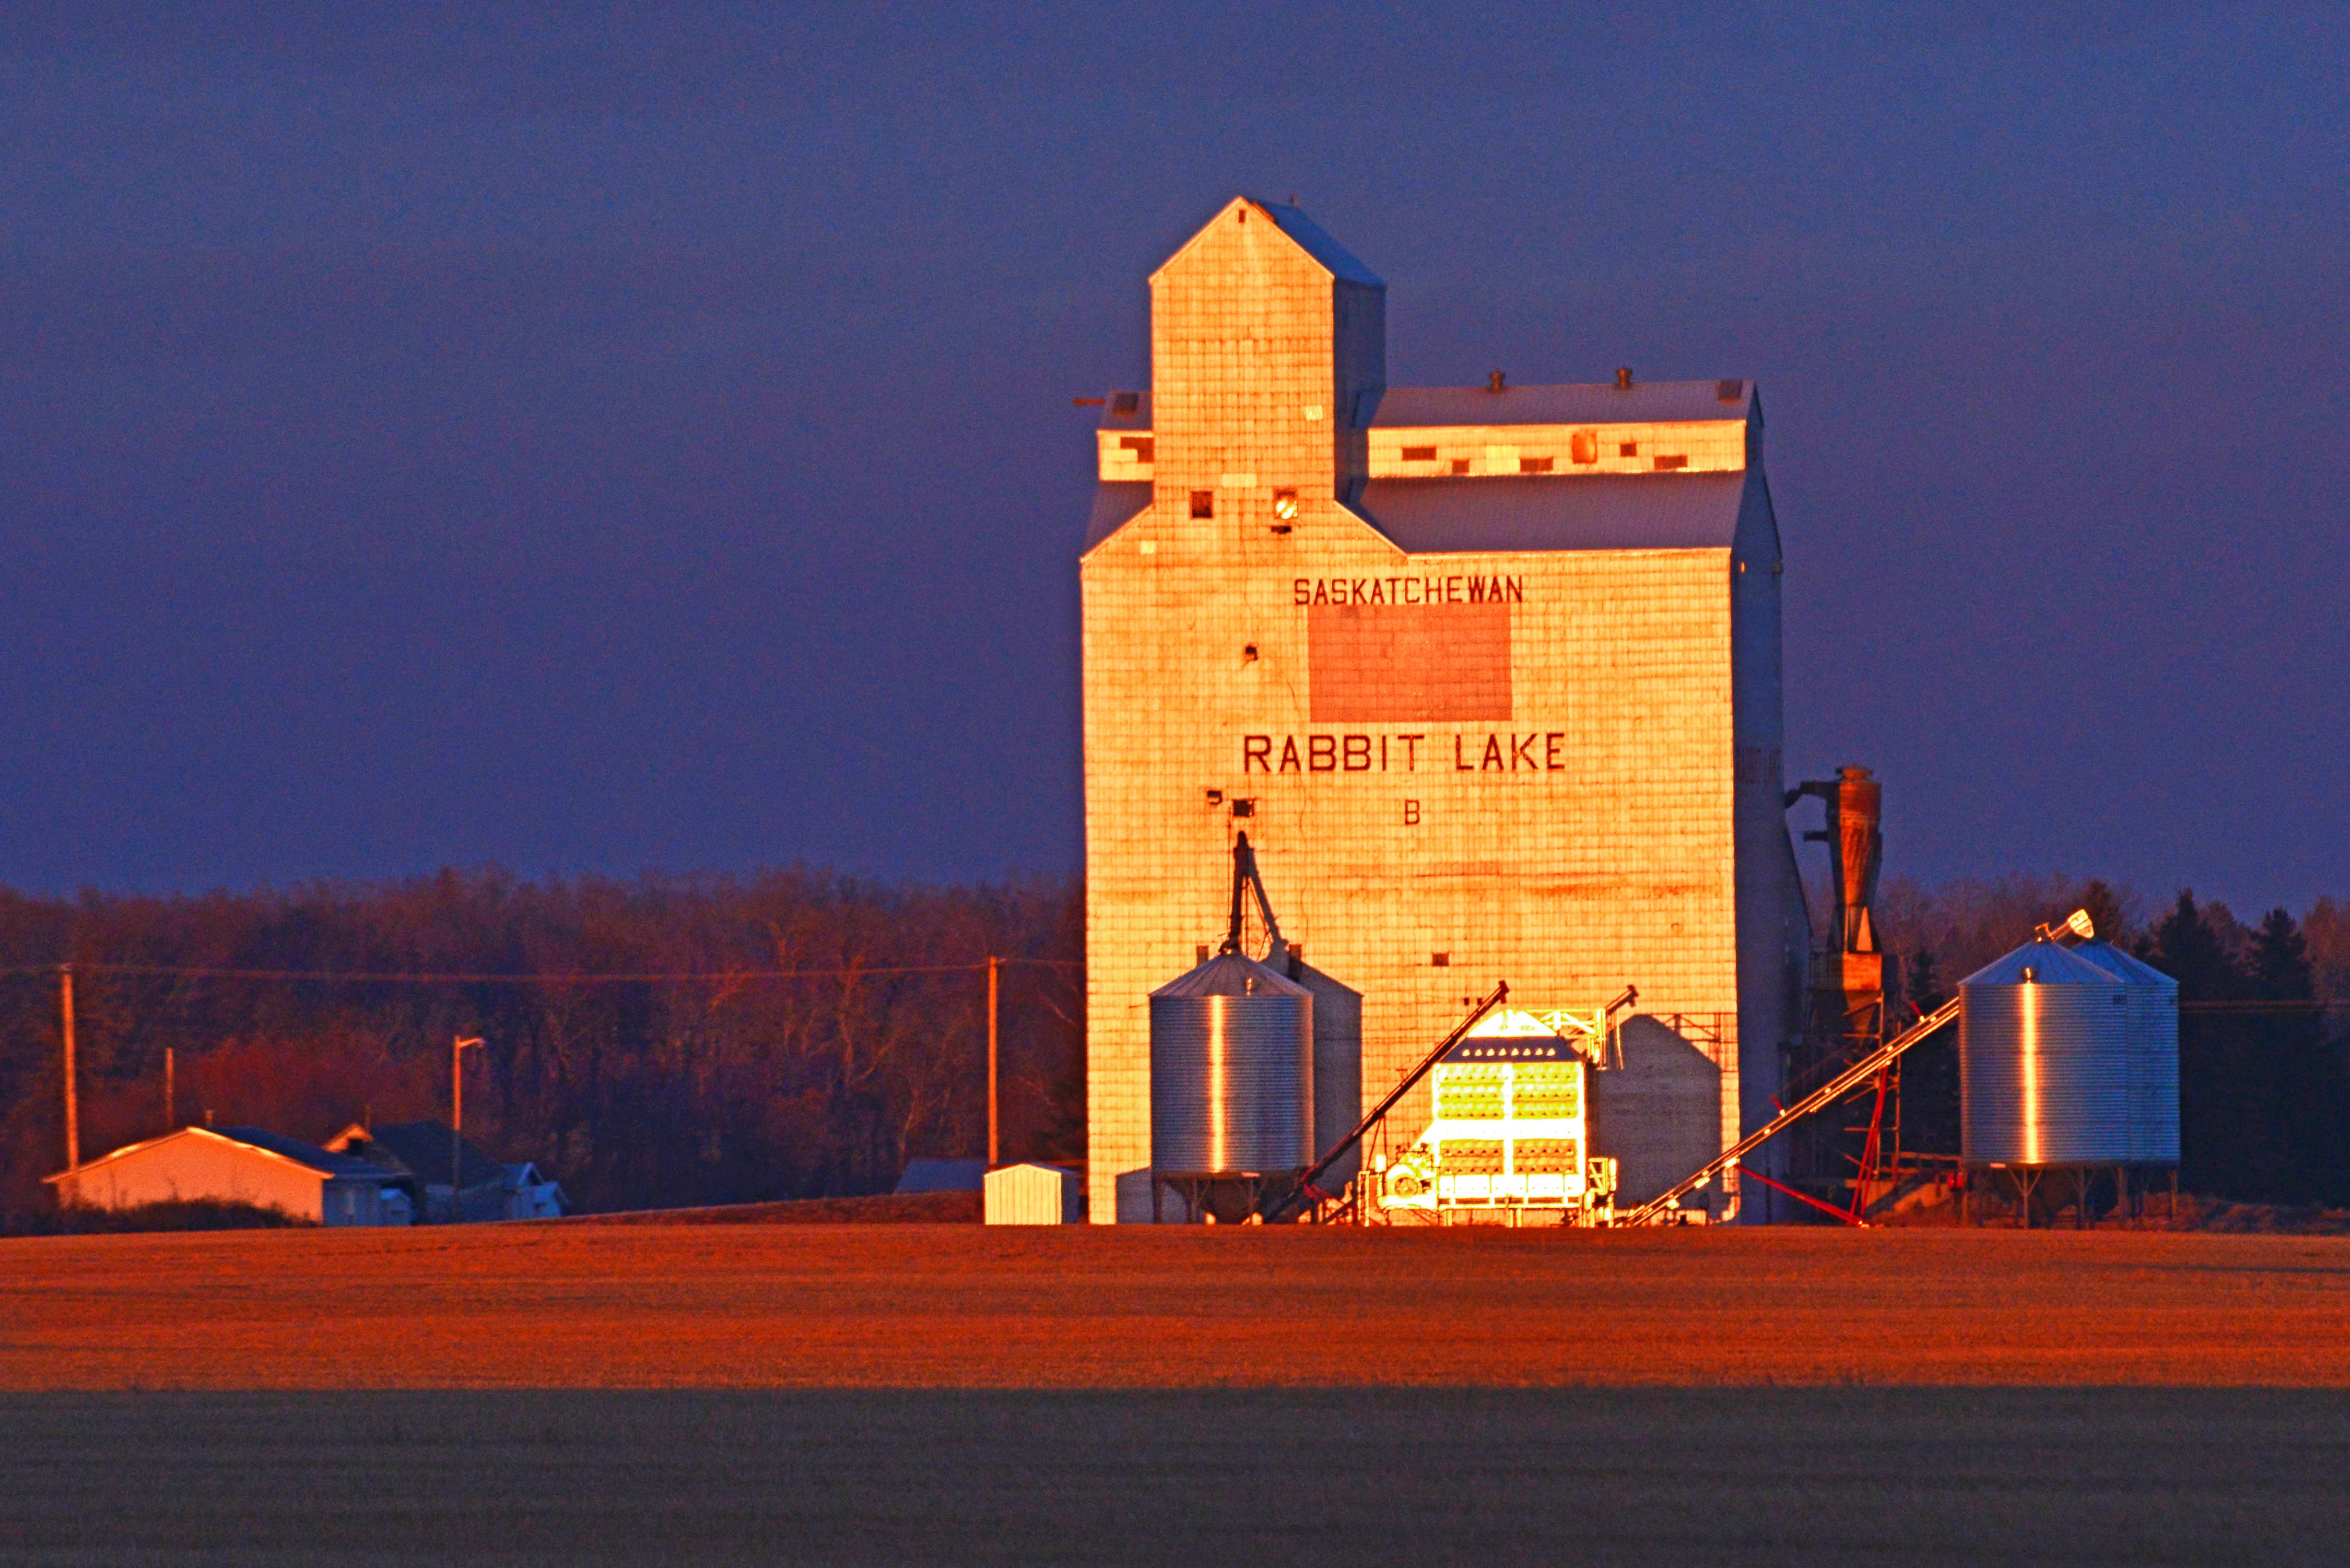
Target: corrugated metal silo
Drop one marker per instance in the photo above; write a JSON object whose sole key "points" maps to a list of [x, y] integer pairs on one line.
{"points": [[2152, 1010], [1231, 1072], [2045, 1056], [1337, 1067]]}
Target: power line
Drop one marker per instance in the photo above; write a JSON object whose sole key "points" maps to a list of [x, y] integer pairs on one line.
{"points": [[2305, 1005], [581, 977]]}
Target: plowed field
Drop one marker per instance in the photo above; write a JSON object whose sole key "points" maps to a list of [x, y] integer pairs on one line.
{"points": [[587, 1305]]}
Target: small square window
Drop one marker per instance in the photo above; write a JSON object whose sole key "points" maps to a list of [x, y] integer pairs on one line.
{"points": [[1584, 446], [1460, 465], [1628, 449], [1243, 808], [1420, 455], [1728, 391], [1535, 464], [1439, 960], [1203, 503], [1668, 462]]}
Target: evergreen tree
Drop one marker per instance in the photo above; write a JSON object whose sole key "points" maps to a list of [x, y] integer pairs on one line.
{"points": [[2223, 1106], [1921, 981], [2296, 1068], [1930, 1070]]}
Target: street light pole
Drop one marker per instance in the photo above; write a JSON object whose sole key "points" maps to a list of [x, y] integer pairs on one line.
{"points": [[457, 1115]]}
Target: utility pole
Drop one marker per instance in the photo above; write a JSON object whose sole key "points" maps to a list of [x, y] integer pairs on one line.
{"points": [[457, 1116], [993, 965], [171, 1099], [73, 1111]]}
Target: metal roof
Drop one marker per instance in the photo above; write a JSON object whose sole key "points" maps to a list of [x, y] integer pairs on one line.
{"points": [[1558, 512], [943, 1176], [2130, 971], [2050, 965], [1231, 974], [1512, 1034], [421, 1150], [301, 1153], [1115, 504], [1315, 242], [1598, 403]]}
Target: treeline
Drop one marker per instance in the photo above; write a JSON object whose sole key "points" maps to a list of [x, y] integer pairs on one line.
{"points": [[643, 1092], [2264, 1096], [634, 1094]]}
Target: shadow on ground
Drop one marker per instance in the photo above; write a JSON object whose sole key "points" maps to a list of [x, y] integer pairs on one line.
{"points": [[1354, 1476]]}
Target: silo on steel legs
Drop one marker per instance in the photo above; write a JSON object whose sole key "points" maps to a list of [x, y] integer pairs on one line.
{"points": [[1232, 1089], [2060, 1069]]}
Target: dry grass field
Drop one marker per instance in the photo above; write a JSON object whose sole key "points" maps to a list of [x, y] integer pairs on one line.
{"points": [[745, 1393], [590, 1305]]}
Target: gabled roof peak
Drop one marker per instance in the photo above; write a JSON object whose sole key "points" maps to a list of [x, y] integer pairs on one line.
{"points": [[1295, 226]]}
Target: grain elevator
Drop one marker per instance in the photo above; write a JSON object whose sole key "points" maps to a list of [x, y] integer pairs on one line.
{"points": [[1489, 676]]}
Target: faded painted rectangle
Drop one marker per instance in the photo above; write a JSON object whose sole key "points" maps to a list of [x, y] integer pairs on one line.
{"points": [[1409, 663]]}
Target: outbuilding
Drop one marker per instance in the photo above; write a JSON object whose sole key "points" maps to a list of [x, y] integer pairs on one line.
{"points": [[423, 1155], [1034, 1195], [238, 1165]]}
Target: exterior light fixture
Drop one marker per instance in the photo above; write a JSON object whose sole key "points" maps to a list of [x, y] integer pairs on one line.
{"points": [[1285, 505]]}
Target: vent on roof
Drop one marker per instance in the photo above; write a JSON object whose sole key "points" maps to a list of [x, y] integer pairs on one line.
{"points": [[1728, 392], [1126, 402], [1203, 503], [1497, 382], [1420, 455], [1583, 446], [1668, 462], [1623, 378], [1535, 464]]}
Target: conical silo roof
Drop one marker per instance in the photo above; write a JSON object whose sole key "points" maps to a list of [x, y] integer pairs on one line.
{"points": [[2049, 964], [2130, 971], [1231, 974]]}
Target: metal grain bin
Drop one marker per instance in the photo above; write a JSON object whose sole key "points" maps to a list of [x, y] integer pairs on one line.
{"points": [[2044, 1062], [2153, 1013], [1231, 1072], [1337, 1068]]}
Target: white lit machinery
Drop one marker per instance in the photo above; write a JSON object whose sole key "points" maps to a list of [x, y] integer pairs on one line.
{"points": [[1511, 1128]]}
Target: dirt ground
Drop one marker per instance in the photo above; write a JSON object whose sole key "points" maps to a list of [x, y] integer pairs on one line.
{"points": [[742, 1393], [572, 1305]]}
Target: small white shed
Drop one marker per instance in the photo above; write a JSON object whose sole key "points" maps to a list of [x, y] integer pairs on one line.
{"points": [[1034, 1195]]}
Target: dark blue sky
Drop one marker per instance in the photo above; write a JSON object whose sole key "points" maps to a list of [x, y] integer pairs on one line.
{"points": [[600, 440]]}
